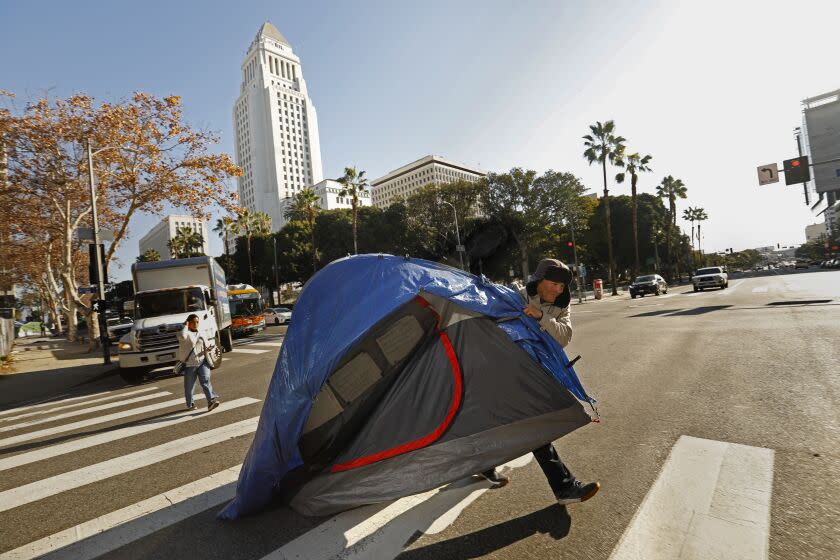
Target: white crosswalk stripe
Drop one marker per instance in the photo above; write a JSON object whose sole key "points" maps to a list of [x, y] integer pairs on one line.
{"points": [[106, 533], [115, 435], [62, 428], [55, 401], [75, 404], [272, 344], [53, 485], [83, 411], [248, 351]]}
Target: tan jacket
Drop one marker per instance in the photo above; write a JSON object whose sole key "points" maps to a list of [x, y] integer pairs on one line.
{"points": [[556, 321], [188, 340]]}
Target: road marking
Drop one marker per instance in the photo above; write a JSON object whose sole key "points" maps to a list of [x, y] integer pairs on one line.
{"points": [[66, 406], [711, 500], [108, 532], [93, 421], [247, 351], [377, 532], [759, 290], [82, 411], [54, 402], [648, 305], [274, 344], [57, 484], [114, 435]]}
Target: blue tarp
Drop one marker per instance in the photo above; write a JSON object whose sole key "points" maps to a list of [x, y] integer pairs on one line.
{"points": [[335, 310]]}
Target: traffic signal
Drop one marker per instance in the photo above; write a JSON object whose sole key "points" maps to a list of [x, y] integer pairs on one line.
{"points": [[569, 244], [797, 170], [92, 272], [100, 305]]}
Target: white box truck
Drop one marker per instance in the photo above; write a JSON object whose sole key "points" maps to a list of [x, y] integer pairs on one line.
{"points": [[165, 294]]}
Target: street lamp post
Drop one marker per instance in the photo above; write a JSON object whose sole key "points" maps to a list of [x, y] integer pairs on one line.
{"points": [[459, 248], [100, 284], [577, 266]]}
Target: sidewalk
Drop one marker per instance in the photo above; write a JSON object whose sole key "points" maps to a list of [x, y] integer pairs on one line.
{"points": [[51, 365]]}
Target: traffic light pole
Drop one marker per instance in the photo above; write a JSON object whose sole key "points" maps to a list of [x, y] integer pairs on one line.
{"points": [[103, 326]]}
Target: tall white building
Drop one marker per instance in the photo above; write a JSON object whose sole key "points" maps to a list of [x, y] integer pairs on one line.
{"points": [[159, 236], [400, 183], [275, 127]]}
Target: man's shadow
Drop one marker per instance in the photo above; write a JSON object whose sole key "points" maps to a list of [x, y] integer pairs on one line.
{"points": [[553, 520]]}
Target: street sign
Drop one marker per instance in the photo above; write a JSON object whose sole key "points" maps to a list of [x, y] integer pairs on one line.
{"points": [[460, 248], [768, 174], [87, 289], [86, 234]]}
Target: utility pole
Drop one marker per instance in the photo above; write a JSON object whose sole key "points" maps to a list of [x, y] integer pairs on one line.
{"points": [[103, 326]]}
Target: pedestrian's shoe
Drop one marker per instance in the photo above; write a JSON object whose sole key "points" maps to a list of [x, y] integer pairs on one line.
{"points": [[577, 492], [494, 478], [191, 406], [212, 404]]}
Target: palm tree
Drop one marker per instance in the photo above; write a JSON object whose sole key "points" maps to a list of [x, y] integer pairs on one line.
{"points": [[245, 223], [355, 184], [306, 204], [186, 243], [688, 215], [634, 165], [672, 189], [602, 146], [149, 255], [225, 227], [700, 216]]}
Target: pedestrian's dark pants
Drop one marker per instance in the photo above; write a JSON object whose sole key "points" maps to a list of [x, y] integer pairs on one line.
{"points": [[558, 475]]}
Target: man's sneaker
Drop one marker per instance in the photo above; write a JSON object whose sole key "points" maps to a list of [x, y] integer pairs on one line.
{"points": [[577, 492], [494, 478], [212, 404], [191, 406]]}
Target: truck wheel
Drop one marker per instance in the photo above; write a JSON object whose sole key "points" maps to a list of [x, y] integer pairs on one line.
{"points": [[133, 376], [226, 340], [632, 296], [214, 356]]}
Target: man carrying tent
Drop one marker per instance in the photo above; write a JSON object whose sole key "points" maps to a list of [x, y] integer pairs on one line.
{"points": [[547, 297]]}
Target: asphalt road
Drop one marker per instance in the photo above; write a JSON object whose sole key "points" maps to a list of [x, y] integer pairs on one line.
{"points": [[756, 365]]}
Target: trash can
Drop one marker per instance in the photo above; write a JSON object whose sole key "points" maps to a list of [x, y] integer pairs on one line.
{"points": [[598, 288]]}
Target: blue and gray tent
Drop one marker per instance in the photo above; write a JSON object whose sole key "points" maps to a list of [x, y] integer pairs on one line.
{"points": [[397, 376]]}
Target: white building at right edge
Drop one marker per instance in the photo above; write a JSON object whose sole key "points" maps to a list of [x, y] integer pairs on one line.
{"points": [[401, 182], [275, 128]]}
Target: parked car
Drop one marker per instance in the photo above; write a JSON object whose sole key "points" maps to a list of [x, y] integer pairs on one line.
{"points": [[118, 327], [277, 315], [648, 284], [801, 264], [711, 277]]}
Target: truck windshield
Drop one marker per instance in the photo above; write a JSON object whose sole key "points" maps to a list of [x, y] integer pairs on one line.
{"points": [[168, 302]]}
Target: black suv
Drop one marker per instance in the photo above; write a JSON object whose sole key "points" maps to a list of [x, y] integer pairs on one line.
{"points": [[649, 284]]}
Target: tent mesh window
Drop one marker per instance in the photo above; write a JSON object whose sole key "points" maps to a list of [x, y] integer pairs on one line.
{"points": [[360, 380]]}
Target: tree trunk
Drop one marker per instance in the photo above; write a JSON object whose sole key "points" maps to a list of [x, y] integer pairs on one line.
{"points": [[609, 230], [250, 267], [633, 179], [674, 218], [355, 244], [314, 250]]}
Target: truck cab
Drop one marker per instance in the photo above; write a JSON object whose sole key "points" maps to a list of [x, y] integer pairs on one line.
{"points": [[161, 310]]}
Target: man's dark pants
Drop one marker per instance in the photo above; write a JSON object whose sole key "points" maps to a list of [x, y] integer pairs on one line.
{"points": [[558, 475]]}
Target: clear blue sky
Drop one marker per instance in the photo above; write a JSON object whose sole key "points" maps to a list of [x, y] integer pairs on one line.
{"points": [[710, 89]]}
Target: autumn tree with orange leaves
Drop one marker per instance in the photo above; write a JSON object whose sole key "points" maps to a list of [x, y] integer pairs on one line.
{"points": [[154, 159]]}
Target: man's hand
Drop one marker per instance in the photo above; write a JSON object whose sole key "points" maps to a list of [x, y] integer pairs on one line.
{"points": [[533, 312]]}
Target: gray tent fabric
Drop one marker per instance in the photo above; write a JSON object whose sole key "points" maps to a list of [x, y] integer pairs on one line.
{"points": [[507, 406]]}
